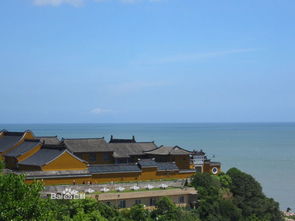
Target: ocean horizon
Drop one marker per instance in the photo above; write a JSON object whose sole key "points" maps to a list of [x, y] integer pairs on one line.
{"points": [[264, 150]]}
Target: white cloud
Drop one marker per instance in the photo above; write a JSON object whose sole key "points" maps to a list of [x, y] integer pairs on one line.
{"points": [[75, 3], [99, 111]]}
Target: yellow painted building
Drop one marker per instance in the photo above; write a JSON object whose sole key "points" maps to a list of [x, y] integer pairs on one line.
{"points": [[10, 140], [21, 152], [96, 174], [52, 159], [176, 154], [93, 160], [181, 197]]}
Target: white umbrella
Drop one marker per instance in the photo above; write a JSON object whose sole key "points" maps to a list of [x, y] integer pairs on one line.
{"points": [[89, 190], [163, 186], [120, 189], [149, 187], [135, 188], [104, 189]]}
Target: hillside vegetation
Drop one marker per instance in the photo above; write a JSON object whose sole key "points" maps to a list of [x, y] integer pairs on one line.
{"points": [[234, 196]]}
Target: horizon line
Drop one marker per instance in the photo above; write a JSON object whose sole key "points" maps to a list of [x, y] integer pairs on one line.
{"points": [[201, 122]]}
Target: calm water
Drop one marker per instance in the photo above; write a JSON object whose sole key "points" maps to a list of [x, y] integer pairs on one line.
{"points": [[267, 151]]}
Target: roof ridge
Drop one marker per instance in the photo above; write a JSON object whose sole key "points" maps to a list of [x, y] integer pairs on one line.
{"points": [[115, 164], [13, 133], [83, 138], [32, 140]]}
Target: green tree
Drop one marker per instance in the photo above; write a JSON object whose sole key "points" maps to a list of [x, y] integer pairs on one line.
{"points": [[2, 165], [137, 212], [20, 201], [248, 196], [165, 210]]}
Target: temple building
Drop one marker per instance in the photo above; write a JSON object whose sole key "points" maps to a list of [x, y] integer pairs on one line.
{"points": [[93, 160], [52, 158], [10, 140], [49, 139], [92, 150], [176, 154], [128, 150], [21, 152]]}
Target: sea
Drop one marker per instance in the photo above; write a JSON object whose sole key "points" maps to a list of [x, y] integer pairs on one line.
{"points": [[264, 150]]}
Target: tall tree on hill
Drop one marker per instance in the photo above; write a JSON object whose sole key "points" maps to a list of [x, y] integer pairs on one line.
{"points": [[248, 196]]}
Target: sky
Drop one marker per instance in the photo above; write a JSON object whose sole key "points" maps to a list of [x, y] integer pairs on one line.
{"points": [[146, 61]]}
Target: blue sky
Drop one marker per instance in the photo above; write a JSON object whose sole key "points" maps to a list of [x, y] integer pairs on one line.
{"points": [[75, 61]]}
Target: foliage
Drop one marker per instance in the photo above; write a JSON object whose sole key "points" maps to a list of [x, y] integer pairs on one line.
{"points": [[167, 210], [20, 201], [2, 165], [137, 212], [248, 196], [224, 180], [234, 196]]}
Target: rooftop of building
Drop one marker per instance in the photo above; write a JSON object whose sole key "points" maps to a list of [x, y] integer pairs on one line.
{"points": [[125, 150], [42, 157], [26, 146], [49, 139], [9, 139], [143, 194], [120, 140], [161, 166], [168, 150], [114, 168], [80, 145]]}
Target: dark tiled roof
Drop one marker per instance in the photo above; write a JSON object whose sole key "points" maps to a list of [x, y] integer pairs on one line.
{"points": [[165, 150], [147, 163], [23, 148], [42, 157], [9, 139], [161, 166], [87, 145], [49, 139], [112, 140], [113, 168], [59, 146], [12, 133], [129, 149], [167, 166], [199, 153]]}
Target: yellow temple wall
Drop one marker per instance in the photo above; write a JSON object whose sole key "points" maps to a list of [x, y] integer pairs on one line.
{"points": [[65, 162], [99, 157], [146, 174]]}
